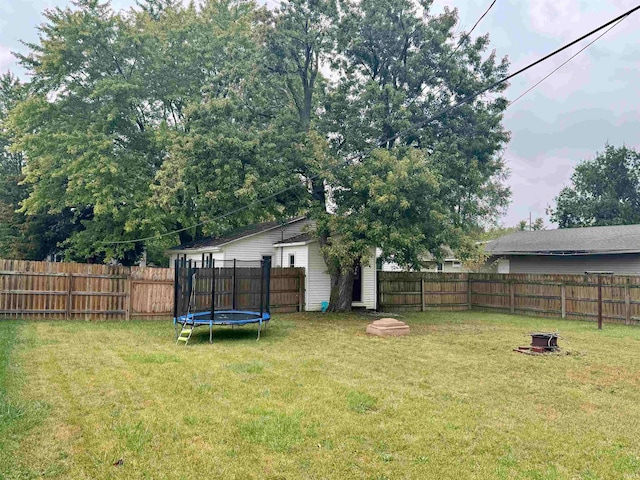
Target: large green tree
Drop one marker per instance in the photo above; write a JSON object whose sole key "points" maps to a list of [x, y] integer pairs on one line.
{"points": [[235, 147], [31, 237], [111, 91], [203, 118], [11, 165], [378, 173], [604, 190]]}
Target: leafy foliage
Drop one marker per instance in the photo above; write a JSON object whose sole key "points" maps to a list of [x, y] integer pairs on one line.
{"points": [[121, 85], [605, 191], [161, 118], [526, 225], [11, 192]]}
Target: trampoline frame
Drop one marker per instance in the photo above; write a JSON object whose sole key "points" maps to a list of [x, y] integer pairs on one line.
{"points": [[208, 318]]}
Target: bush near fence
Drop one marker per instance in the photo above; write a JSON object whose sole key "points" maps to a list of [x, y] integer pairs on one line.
{"points": [[99, 292], [565, 296]]}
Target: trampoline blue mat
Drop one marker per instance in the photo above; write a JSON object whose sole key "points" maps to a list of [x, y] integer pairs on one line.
{"points": [[224, 317]]}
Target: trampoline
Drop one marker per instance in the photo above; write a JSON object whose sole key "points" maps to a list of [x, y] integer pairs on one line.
{"points": [[223, 292]]}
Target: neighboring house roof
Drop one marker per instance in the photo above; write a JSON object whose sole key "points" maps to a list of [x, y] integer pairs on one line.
{"points": [[301, 239], [446, 253], [569, 241], [234, 235]]}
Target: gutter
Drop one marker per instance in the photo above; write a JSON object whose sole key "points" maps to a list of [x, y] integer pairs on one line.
{"points": [[563, 253], [294, 244], [196, 250]]}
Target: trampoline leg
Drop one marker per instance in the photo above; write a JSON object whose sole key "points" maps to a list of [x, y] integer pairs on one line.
{"points": [[210, 332], [259, 330]]}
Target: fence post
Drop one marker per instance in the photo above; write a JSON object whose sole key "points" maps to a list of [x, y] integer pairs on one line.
{"points": [[627, 304], [422, 293], [128, 290], [469, 291], [563, 295], [512, 297], [599, 302], [67, 313]]}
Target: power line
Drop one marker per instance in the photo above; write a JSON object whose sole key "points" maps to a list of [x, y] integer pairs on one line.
{"points": [[567, 61], [420, 124], [468, 34], [480, 19], [571, 44], [453, 52]]}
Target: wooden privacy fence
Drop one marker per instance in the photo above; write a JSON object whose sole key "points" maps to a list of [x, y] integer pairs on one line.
{"points": [[83, 291], [566, 296], [420, 291]]}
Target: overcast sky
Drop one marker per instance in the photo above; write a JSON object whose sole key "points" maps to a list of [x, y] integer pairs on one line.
{"points": [[594, 99]]}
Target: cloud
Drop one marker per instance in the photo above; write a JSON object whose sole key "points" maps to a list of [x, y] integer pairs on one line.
{"points": [[586, 129], [535, 182], [566, 19], [567, 118]]}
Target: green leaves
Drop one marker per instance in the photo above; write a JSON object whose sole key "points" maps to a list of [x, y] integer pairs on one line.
{"points": [[393, 202], [168, 116], [605, 191], [111, 92]]}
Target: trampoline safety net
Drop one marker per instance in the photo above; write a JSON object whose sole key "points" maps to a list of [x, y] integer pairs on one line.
{"points": [[221, 286]]}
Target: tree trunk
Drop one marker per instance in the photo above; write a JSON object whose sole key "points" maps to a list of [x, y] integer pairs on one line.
{"points": [[341, 291], [342, 277]]}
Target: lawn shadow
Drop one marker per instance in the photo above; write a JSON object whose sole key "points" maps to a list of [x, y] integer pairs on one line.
{"points": [[240, 334]]}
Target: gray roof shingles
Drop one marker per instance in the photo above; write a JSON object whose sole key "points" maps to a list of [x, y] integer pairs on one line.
{"points": [[234, 235], [569, 241], [303, 237]]}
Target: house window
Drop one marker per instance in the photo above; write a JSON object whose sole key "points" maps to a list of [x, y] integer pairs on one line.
{"points": [[440, 267], [456, 264], [292, 260]]}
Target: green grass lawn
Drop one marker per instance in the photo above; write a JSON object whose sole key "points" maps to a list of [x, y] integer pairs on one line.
{"points": [[317, 398]]}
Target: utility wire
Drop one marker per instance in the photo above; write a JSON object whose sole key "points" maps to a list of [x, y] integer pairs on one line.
{"points": [[362, 155], [446, 62], [468, 34], [567, 61], [480, 19], [470, 97]]}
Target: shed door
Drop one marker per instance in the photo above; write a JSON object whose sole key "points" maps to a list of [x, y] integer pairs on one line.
{"points": [[357, 284]]}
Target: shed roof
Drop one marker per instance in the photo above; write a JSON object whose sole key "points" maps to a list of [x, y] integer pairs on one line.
{"points": [[301, 238], [569, 241], [234, 235]]}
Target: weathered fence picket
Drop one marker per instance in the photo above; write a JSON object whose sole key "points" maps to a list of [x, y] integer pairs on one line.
{"points": [[41, 290], [565, 296]]}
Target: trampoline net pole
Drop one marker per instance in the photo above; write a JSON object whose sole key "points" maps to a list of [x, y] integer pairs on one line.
{"points": [[267, 271], [190, 286], [176, 286], [262, 263], [213, 288], [233, 288]]}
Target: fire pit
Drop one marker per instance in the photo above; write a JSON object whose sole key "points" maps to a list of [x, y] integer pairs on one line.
{"points": [[541, 342]]}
